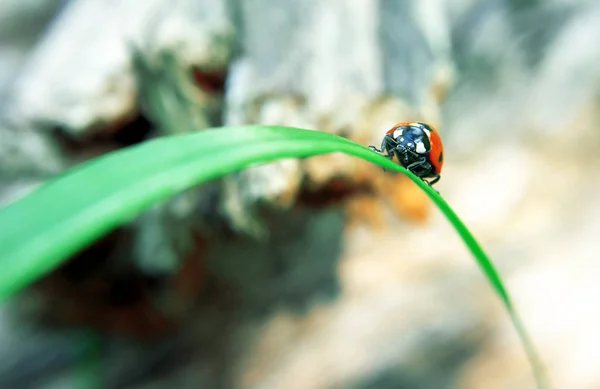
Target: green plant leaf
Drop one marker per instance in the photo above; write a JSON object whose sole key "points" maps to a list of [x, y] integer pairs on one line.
{"points": [[62, 216]]}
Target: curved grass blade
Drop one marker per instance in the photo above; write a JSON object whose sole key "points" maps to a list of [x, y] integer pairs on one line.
{"points": [[42, 229]]}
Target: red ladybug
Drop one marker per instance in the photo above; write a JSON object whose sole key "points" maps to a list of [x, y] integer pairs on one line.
{"points": [[418, 148]]}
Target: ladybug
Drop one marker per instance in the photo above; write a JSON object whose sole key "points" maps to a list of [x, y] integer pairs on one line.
{"points": [[418, 148]]}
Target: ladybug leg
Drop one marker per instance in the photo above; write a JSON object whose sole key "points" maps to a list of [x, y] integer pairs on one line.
{"points": [[387, 145], [419, 163], [436, 179], [388, 155]]}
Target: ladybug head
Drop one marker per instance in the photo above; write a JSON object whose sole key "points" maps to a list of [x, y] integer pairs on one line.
{"points": [[412, 147]]}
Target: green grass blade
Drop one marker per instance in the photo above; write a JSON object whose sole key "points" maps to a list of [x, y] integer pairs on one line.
{"points": [[42, 229]]}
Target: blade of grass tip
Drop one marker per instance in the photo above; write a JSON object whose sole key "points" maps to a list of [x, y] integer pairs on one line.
{"points": [[494, 277], [490, 272]]}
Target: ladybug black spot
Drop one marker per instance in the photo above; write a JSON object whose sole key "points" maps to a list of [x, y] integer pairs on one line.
{"points": [[441, 158]]}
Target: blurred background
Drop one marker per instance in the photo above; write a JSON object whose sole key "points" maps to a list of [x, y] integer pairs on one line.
{"points": [[325, 272]]}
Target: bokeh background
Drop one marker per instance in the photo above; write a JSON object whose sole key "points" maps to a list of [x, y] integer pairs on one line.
{"points": [[326, 272]]}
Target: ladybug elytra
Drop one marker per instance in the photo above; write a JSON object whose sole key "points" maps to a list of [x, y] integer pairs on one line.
{"points": [[418, 148]]}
